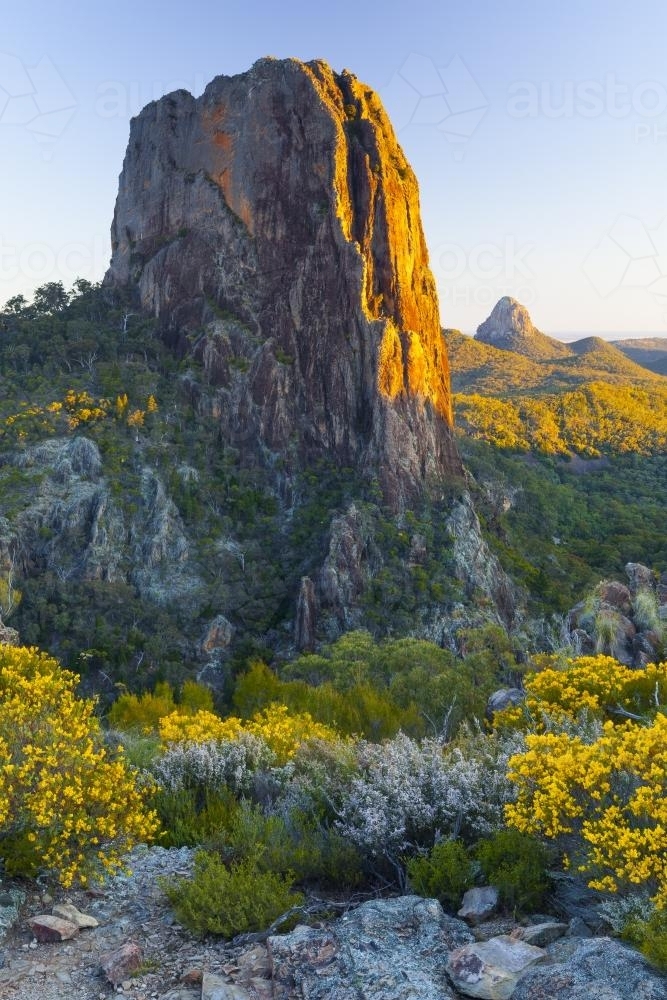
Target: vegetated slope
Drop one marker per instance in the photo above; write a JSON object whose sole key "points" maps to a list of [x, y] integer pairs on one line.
{"points": [[569, 460], [651, 352]]}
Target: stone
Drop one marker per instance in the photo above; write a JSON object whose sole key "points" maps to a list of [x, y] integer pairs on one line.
{"points": [[640, 577], [598, 969], [216, 988], [192, 976], [69, 912], [218, 636], [491, 969], [540, 935], [282, 220], [47, 927], [479, 904], [615, 594], [390, 949], [503, 698], [117, 965], [306, 616]]}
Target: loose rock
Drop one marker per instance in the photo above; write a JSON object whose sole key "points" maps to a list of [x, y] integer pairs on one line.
{"points": [[46, 927]]}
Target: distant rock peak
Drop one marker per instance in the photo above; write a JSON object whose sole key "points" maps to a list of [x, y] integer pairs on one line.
{"points": [[281, 199], [510, 328]]}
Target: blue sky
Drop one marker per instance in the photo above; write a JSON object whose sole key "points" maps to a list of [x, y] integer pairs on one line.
{"points": [[538, 133]]}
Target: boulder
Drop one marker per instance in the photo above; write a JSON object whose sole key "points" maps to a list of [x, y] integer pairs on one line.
{"points": [[216, 988], [640, 577], [67, 911], [491, 969], [598, 969], [391, 949], [540, 934], [503, 698], [479, 904], [119, 964], [46, 927]]}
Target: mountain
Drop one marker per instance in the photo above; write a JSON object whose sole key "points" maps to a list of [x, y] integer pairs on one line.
{"points": [[241, 443], [651, 352], [491, 369], [510, 328], [272, 227]]}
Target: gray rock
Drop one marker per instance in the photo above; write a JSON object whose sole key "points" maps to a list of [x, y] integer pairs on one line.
{"points": [[640, 577], [503, 698], [479, 904], [541, 934], [393, 949], [491, 969], [11, 901], [599, 969], [69, 912], [216, 988]]}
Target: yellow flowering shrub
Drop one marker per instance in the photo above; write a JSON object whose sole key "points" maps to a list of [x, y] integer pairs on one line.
{"points": [[597, 684], [605, 801], [282, 732], [178, 727], [68, 806]]}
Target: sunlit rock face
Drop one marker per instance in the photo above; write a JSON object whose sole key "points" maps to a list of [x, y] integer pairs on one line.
{"points": [[273, 227]]}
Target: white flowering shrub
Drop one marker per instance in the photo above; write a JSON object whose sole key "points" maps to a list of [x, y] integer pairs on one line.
{"points": [[214, 765], [410, 795]]}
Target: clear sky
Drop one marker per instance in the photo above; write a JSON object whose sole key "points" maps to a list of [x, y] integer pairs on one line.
{"points": [[538, 132]]}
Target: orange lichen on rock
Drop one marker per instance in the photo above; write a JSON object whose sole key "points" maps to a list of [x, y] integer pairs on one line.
{"points": [[390, 363]]}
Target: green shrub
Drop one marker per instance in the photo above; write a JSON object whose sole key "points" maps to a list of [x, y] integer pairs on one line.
{"points": [[516, 864], [229, 901], [295, 844], [650, 936], [444, 874], [191, 817]]}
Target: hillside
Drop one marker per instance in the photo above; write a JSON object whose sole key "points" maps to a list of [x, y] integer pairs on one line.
{"points": [[651, 352], [510, 328], [478, 367]]}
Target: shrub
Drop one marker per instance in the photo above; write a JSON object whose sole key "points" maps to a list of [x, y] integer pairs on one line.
{"points": [[650, 936], [229, 901], [604, 802], [191, 817], [68, 805], [142, 712], [444, 874], [213, 765], [517, 865], [410, 794]]}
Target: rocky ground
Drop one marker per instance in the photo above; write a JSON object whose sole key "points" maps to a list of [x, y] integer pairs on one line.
{"points": [[402, 948]]}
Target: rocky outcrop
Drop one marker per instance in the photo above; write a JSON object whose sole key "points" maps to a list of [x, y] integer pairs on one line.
{"points": [[626, 622], [72, 524], [598, 967], [510, 328], [393, 948], [474, 563], [272, 225]]}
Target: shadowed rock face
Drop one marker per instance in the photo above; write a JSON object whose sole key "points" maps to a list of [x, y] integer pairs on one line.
{"points": [[272, 225]]}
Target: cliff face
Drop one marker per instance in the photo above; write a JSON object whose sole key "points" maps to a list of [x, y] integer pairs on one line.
{"points": [[272, 225]]}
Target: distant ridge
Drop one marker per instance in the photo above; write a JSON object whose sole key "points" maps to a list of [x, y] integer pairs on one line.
{"points": [[539, 364], [651, 352]]}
